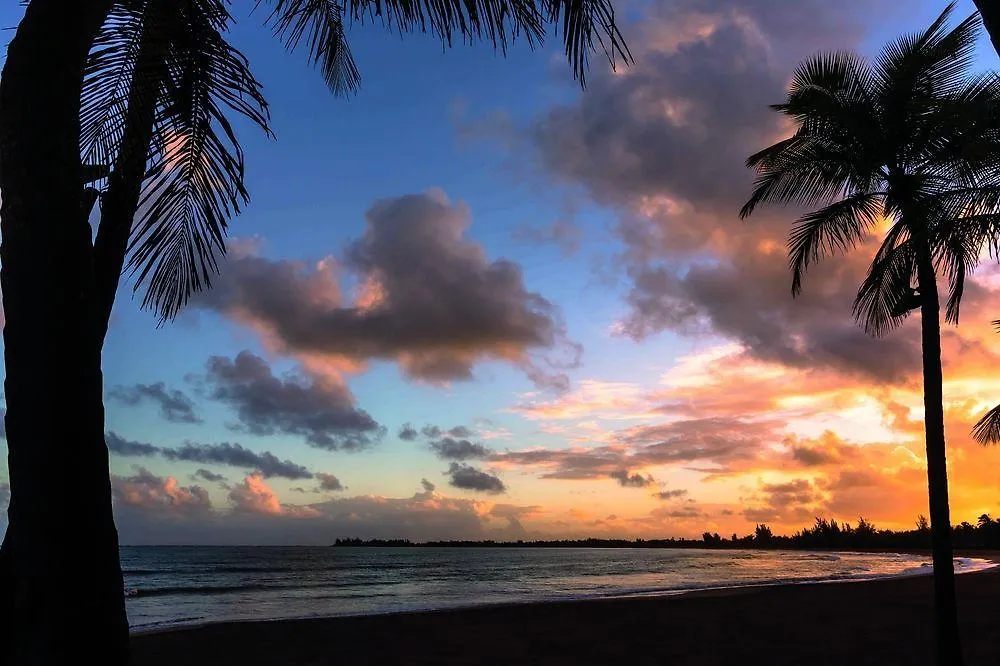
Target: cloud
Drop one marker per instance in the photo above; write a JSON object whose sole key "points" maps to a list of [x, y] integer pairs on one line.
{"points": [[254, 496], [788, 502], [626, 480], [427, 485], [711, 443], [322, 411], [4, 496], [125, 447], [208, 475], [328, 481], [236, 455], [684, 512], [513, 514], [448, 448], [674, 493], [174, 404], [225, 453], [663, 144], [145, 490], [469, 478], [407, 433], [429, 300]]}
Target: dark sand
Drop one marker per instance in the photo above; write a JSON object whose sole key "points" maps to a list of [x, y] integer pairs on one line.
{"points": [[877, 622]]}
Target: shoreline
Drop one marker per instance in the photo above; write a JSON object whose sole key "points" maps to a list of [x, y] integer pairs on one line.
{"points": [[985, 562], [881, 621]]}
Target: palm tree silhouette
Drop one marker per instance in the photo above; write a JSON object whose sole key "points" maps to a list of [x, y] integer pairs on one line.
{"points": [[987, 429], [909, 139], [130, 102]]}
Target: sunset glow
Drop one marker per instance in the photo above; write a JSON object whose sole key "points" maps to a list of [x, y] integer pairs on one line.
{"points": [[539, 316]]}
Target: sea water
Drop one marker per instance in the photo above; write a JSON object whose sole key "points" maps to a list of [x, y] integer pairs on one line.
{"points": [[173, 586]]}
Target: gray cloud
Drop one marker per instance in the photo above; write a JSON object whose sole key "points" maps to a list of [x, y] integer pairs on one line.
{"points": [[226, 453], [432, 301], [125, 447], [787, 502], [236, 455], [664, 145], [427, 486], [710, 444], [449, 448], [675, 493], [320, 411], [626, 480], [208, 475], [435, 432], [174, 404], [328, 481], [407, 433], [468, 477]]}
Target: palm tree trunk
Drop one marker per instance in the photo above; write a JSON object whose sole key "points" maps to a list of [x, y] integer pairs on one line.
{"points": [[60, 577], [948, 640], [990, 11]]}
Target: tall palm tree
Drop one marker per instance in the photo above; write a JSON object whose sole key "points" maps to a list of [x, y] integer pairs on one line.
{"points": [[129, 102], [911, 139], [990, 11]]}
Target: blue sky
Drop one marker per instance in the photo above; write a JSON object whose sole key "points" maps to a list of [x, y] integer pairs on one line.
{"points": [[466, 121]]}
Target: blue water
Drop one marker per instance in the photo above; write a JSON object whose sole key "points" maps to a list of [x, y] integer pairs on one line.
{"points": [[172, 586]]}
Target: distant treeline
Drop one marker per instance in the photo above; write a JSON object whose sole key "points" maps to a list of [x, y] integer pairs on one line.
{"points": [[824, 534]]}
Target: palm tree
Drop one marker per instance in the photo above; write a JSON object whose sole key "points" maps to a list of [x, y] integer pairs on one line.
{"points": [[911, 139], [129, 102], [990, 12], [987, 429]]}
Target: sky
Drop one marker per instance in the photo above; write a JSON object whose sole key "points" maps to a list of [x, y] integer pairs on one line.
{"points": [[473, 301]]}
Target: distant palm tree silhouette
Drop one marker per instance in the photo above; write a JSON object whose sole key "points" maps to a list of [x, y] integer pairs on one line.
{"points": [[152, 118], [911, 138], [987, 429]]}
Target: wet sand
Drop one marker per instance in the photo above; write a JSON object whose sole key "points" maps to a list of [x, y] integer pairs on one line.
{"points": [[875, 622]]}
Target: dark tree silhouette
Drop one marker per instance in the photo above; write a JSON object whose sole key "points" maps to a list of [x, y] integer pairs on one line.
{"points": [[129, 102], [910, 139], [990, 11]]}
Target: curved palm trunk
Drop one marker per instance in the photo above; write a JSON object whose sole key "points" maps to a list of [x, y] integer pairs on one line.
{"points": [[60, 577], [948, 640], [990, 11]]}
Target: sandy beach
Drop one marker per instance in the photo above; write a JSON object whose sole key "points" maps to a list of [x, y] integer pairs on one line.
{"points": [[875, 622]]}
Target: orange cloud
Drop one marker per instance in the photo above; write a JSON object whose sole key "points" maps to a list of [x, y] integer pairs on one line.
{"points": [[253, 495]]}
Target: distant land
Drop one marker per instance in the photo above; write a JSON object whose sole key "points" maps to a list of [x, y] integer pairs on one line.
{"points": [[824, 534]]}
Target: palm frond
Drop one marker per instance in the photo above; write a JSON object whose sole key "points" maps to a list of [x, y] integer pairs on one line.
{"points": [[321, 24], [800, 170], [839, 227], [960, 139], [585, 25], [196, 181], [583, 21], [930, 62], [108, 81], [886, 296], [987, 429]]}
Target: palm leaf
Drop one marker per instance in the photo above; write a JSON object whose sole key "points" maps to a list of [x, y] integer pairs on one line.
{"points": [[585, 25], [839, 227], [196, 181], [886, 296], [987, 429], [321, 24]]}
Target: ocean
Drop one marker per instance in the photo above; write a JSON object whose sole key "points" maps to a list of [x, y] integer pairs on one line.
{"points": [[175, 586]]}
